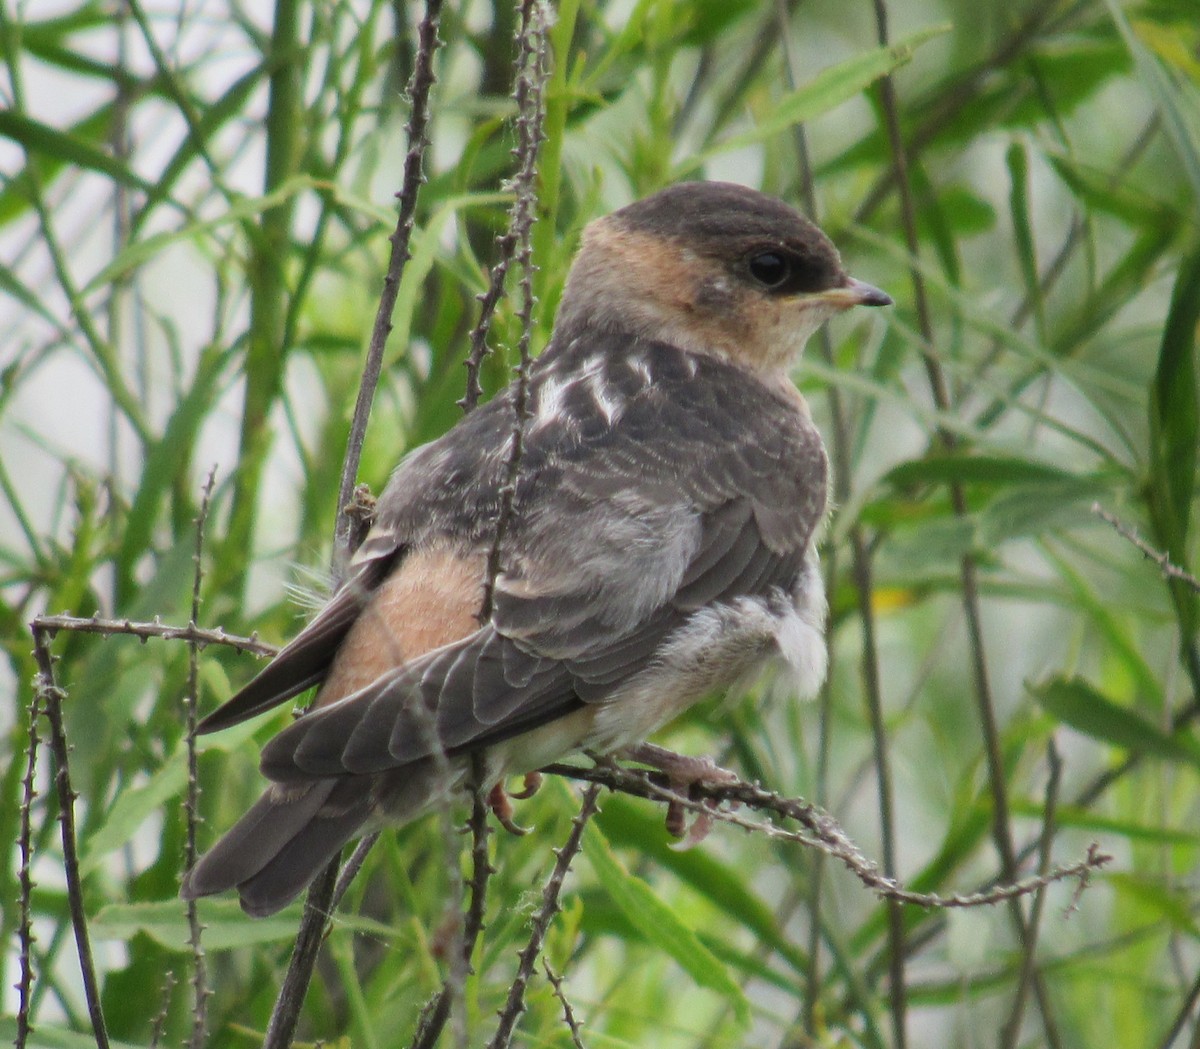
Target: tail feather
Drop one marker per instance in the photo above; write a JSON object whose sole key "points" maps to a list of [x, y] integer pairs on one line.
{"points": [[281, 843], [291, 869]]}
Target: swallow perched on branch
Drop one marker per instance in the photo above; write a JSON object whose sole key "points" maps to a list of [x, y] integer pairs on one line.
{"points": [[659, 546]]}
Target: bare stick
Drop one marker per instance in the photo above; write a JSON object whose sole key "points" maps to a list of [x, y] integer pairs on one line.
{"points": [[531, 82], [286, 1012], [52, 697], [51, 625], [437, 1010], [191, 699], [573, 1025], [1165, 565], [515, 1005], [418, 92], [25, 845], [309, 938], [1012, 1029], [820, 830]]}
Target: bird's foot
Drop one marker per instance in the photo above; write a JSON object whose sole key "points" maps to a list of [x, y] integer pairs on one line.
{"points": [[499, 801], [532, 783], [683, 773]]}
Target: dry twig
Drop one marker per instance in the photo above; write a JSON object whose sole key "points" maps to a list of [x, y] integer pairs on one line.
{"points": [[515, 1004], [1165, 565]]}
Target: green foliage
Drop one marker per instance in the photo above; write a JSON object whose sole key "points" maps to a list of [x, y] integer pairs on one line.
{"points": [[195, 210]]}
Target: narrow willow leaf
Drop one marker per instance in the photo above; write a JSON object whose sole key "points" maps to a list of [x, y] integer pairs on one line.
{"points": [[1172, 905], [827, 89], [636, 900], [1180, 127], [1097, 190], [66, 148], [132, 807], [1018, 198], [225, 926], [1174, 427], [631, 826], [1078, 704], [47, 1036], [996, 470]]}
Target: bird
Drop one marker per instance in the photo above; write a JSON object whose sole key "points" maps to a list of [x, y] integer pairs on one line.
{"points": [[660, 544]]}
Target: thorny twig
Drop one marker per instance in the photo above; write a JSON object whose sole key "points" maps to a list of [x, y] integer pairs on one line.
{"points": [[25, 877], [515, 1005], [528, 94], [419, 87], [573, 1025], [437, 1010], [820, 831], [320, 895], [191, 699], [1012, 1028], [52, 696], [1165, 565], [531, 82], [159, 1024], [51, 625]]}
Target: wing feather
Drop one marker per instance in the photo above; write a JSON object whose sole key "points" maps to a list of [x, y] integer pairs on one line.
{"points": [[703, 487]]}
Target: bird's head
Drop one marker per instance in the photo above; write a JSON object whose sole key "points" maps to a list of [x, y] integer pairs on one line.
{"points": [[715, 268]]}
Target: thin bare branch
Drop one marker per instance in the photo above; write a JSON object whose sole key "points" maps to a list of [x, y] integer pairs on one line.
{"points": [[437, 1010], [25, 935], [573, 1025], [1165, 565], [819, 830], [348, 526], [1012, 1029], [191, 802], [515, 1004], [309, 937], [514, 243], [423, 79], [530, 87], [968, 575], [51, 697], [51, 625]]}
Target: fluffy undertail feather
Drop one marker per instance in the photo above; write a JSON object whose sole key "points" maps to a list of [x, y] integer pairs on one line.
{"points": [[272, 853]]}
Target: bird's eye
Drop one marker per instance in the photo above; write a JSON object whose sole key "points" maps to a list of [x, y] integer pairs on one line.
{"points": [[770, 268]]}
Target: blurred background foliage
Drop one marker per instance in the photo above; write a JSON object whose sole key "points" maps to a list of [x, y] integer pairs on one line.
{"points": [[195, 204]]}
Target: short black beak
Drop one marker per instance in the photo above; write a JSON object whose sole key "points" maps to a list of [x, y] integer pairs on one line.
{"points": [[867, 294]]}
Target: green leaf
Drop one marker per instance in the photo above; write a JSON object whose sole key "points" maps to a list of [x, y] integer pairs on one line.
{"points": [[1100, 191], [827, 89], [636, 900], [1173, 431], [1076, 703], [1172, 905], [630, 825], [165, 460], [1084, 819], [132, 807], [65, 148], [47, 1036], [975, 469], [1180, 129], [225, 926], [1018, 174]]}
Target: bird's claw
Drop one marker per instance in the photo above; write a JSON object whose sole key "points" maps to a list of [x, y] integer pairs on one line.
{"points": [[499, 801], [531, 785]]}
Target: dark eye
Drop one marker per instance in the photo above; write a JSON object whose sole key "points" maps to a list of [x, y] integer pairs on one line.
{"points": [[770, 268]]}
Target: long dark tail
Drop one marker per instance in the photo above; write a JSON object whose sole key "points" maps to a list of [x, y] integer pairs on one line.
{"points": [[281, 844]]}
